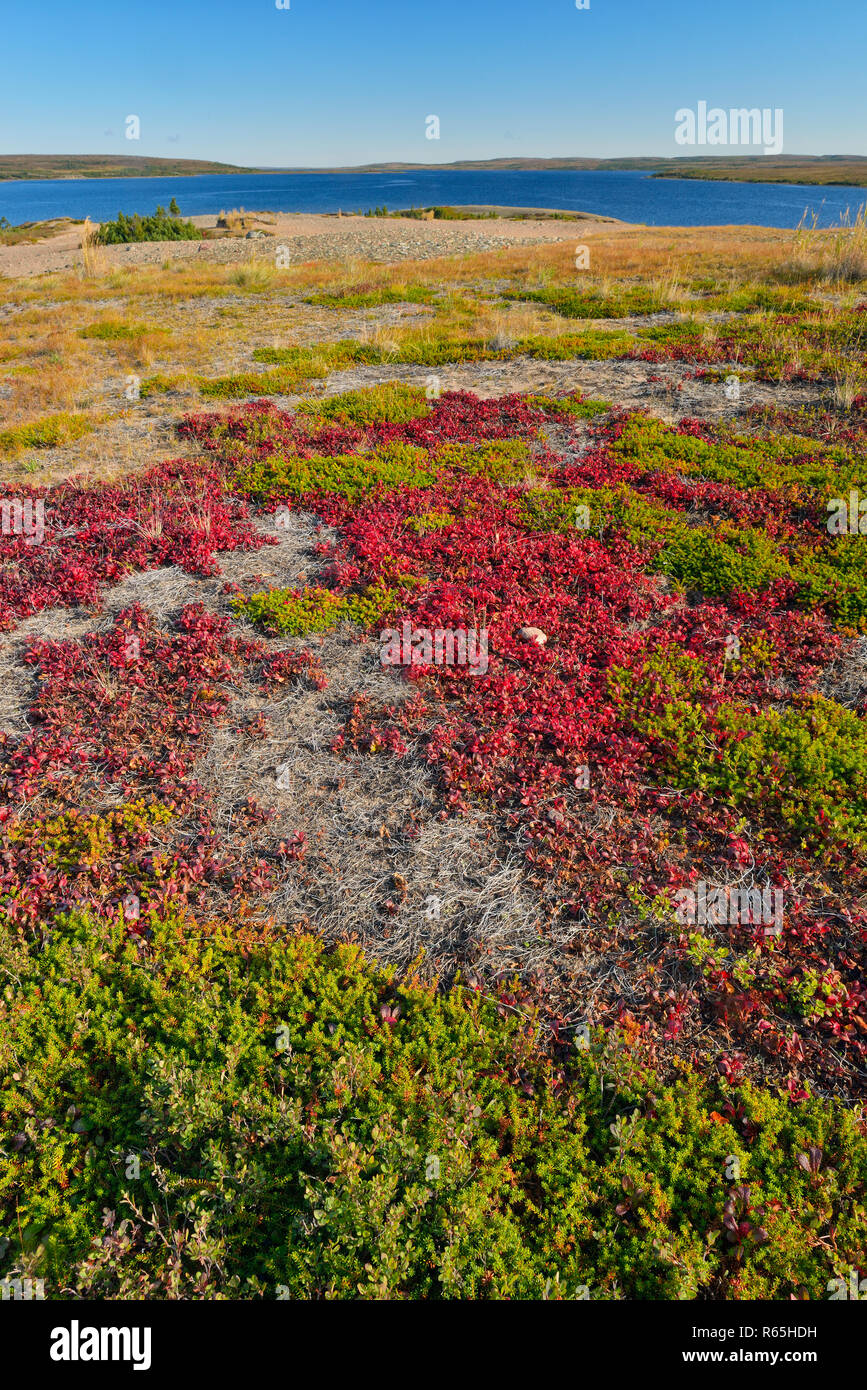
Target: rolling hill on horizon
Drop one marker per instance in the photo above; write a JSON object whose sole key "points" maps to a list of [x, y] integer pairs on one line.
{"points": [[842, 169]]}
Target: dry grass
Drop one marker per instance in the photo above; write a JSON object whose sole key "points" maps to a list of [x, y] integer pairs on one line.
{"points": [[95, 262], [192, 318], [848, 254], [625, 253], [238, 220], [849, 382], [838, 256], [620, 253]]}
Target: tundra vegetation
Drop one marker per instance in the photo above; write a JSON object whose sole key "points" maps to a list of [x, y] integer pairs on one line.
{"points": [[557, 1089]]}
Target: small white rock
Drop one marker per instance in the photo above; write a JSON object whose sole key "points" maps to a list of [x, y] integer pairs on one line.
{"points": [[533, 634]]}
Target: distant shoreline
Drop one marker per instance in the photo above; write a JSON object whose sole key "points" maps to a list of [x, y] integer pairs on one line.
{"points": [[841, 171]]}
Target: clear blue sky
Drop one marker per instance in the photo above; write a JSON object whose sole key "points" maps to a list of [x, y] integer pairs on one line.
{"points": [[352, 81]]}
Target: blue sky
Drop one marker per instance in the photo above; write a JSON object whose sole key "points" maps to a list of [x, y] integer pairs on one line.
{"points": [[352, 81]]}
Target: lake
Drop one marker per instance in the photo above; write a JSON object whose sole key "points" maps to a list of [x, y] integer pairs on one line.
{"points": [[631, 195]]}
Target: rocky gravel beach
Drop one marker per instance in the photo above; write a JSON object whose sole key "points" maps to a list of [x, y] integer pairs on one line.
{"points": [[309, 237]]}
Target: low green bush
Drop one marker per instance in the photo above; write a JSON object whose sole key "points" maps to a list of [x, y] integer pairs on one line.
{"points": [[50, 432], [298, 611], [807, 763], [500, 460], [803, 767], [834, 576], [589, 304], [159, 226], [206, 1115], [350, 475], [575, 405], [723, 559], [746, 461], [369, 297], [392, 402]]}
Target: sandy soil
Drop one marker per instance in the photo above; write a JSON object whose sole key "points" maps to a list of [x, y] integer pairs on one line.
{"points": [[666, 390], [308, 236]]}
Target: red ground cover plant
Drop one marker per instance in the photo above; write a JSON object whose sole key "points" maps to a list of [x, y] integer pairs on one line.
{"points": [[633, 681], [176, 514], [99, 801], [612, 855], [292, 667]]}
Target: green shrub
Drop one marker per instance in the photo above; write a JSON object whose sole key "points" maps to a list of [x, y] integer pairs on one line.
{"points": [[430, 521], [345, 353], [750, 298], [350, 475], [501, 460], [745, 461], [592, 344], [834, 576], [570, 405], [113, 330], [48, 433], [592, 304], [661, 704], [643, 521], [392, 401], [201, 1116], [160, 226], [161, 382], [298, 611], [369, 297], [804, 766], [808, 764], [717, 561]]}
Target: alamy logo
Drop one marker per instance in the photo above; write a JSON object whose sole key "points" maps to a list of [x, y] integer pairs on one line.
{"points": [[847, 517], [738, 126], [22, 1289], [76, 1343], [840, 1291], [744, 907], [23, 518], [439, 646]]}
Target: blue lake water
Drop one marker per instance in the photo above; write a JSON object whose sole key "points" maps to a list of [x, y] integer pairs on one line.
{"points": [[630, 195]]}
